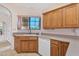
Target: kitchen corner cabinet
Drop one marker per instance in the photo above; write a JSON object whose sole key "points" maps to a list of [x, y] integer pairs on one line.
{"points": [[63, 17], [58, 48], [26, 43]]}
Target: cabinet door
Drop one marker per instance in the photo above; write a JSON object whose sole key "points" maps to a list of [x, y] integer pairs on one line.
{"points": [[58, 48], [47, 21], [53, 19], [56, 18], [24, 45], [54, 50], [33, 46], [70, 16], [17, 43], [64, 47]]}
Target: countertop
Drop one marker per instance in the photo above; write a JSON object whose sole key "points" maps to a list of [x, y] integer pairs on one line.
{"points": [[25, 34], [41, 34], [47, 35]]}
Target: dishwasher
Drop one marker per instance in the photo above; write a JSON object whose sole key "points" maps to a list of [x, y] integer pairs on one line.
{"points": [[44, 46]]}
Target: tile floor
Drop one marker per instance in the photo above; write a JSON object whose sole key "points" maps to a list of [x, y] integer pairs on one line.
{"points": [[14, 53]]}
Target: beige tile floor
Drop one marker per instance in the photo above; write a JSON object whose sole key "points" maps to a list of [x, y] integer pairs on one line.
{"points": [[14, 53], [4, 44], [11, 52]]}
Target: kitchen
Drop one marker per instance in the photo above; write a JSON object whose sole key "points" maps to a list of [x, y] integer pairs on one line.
{"points": [[48, 29]]}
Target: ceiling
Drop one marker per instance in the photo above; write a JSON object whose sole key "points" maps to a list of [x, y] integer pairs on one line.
{"points": [[32, 8]]}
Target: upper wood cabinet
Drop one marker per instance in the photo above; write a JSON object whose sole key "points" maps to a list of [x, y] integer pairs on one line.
{"points": [[53, 19], [47, 21], [56, 17], [63, 17], [70, 16]]}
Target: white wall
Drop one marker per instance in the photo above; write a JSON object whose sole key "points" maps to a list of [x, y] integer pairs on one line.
{"points": [[4, 18]]}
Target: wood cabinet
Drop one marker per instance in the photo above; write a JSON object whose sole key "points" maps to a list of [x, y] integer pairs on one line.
{"points": [[63, 17], [17, 40], [33, 46], [56, 18], [70, 16], [58, 48], [54, 50], [53, 19], [26, 43], [65, 47], [47, 22]]}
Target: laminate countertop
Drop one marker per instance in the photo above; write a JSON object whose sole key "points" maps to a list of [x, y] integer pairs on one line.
{"points": [[47, 35], [25, 34]]}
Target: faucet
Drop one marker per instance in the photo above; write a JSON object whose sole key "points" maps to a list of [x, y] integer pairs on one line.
{"points": [[30, 32]]}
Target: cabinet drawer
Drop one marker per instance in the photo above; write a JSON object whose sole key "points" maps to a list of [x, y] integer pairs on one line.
{"points": [[33, 38], [20, 37], [54, 41]]}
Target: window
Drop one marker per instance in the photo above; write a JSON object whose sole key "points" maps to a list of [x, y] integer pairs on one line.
{"points": [[23, 23], [26, 23], [34, 23]]}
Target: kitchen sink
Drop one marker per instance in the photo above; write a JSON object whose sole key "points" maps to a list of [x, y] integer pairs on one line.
{"points": [[26, 33]]}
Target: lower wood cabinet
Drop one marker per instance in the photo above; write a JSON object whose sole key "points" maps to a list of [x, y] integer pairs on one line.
{"points": [[33, 46], [58, 48], [26, 43], [54, 50]]}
